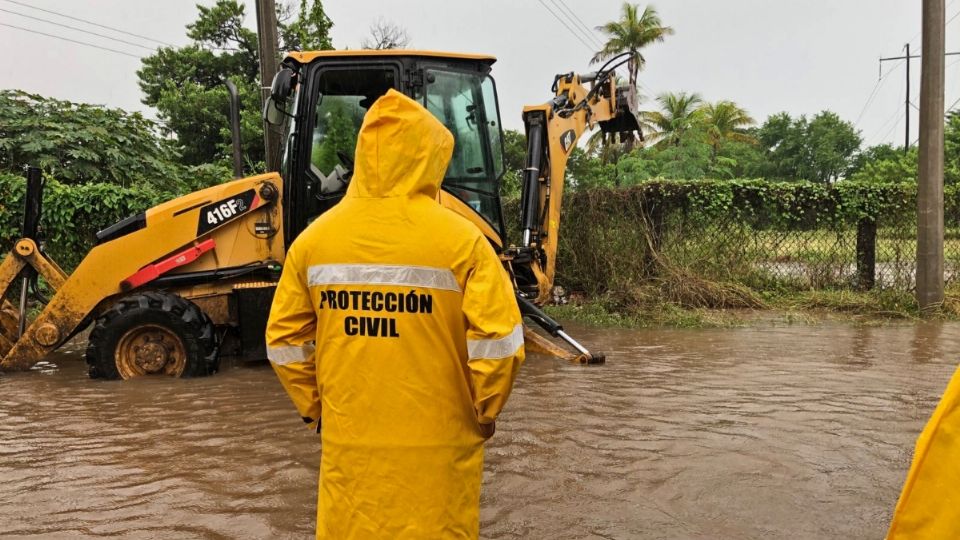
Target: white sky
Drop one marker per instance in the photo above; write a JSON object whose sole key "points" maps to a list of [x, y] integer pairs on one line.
{"points": [[797, 56]]}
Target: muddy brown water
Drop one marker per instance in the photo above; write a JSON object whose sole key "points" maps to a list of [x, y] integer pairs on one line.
{"points": [[777, 432]]}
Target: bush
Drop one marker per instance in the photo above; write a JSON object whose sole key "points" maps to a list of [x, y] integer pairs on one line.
{"points": [[72, 214]]}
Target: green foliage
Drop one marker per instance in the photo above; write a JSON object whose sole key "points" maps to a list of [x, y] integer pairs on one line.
{"points": [[679, 113], [310, 31], [728, 232], [884, 165], [82, 143], [951, 148], [818, 150], [340, 135], [72, 214], [514, 158], [186, 84], [631, 33]]}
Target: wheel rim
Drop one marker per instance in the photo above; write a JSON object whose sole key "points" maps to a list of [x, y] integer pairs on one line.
{"points": [[150, 350]]}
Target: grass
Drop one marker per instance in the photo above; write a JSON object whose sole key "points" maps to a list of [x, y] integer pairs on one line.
{"points": [[595, 313], [773, 307]]}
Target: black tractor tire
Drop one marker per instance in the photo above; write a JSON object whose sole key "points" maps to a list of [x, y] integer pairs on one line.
{"points": [[180, 339]]}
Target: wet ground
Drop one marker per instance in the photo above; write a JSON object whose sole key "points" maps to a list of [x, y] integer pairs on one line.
{"points": [[790, 432]]}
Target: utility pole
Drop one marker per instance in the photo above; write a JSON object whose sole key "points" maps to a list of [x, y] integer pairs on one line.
{"points": [[930, 182], [267, 43], [906, 103]]}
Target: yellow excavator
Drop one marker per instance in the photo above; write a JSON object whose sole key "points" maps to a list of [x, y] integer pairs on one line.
{"points": [[171, 290]]}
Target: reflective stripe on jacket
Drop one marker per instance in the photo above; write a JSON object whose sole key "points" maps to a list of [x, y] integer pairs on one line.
{"points": [[395, 322]]}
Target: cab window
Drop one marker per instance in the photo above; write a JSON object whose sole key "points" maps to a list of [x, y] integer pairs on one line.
{"points": [[466, 104], [343, 100]]}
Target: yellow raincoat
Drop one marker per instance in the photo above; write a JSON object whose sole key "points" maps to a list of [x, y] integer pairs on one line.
{"points": [[417, 336], [929, 505]]}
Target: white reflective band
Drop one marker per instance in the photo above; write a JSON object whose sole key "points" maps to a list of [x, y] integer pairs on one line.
{"points": [[288, 354], [382, 274], [496, 348]]}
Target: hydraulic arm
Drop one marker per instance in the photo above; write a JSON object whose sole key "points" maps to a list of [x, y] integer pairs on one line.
{"points": [[553, 130]]}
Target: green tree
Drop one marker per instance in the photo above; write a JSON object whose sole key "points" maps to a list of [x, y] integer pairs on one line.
{"points": [[340, 136], [892, 167], [514, 159], [308, 31], [78, 143], [185, 84], [951, 148], [725, 121], [631, 33], [679, 113], [747, 159], [819, 150], [872, 154]]}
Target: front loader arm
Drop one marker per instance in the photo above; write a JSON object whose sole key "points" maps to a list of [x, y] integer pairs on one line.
{"points": [[553, 130]]}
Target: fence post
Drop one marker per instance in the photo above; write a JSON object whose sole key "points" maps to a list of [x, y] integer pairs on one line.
{"points": [[866, 253]]}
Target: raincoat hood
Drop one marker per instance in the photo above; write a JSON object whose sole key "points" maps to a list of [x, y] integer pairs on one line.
{"points": [[402, 150]]}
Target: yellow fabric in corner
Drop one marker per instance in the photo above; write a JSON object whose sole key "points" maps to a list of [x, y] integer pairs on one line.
{"points": [[395, 325], [929, 505]]}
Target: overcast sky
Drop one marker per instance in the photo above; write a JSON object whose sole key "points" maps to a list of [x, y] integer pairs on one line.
{"points": [[796, 56]]}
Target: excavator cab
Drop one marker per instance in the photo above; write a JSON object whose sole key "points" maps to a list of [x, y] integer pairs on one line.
{"points": [[321, 98]]}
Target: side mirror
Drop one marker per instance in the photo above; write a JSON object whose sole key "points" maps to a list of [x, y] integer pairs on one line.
{"points": [[282, 85], [274, 110]]}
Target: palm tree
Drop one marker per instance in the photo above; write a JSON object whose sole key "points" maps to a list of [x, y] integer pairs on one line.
{"points": [[630, 34], [726, 121], [679, 112]]}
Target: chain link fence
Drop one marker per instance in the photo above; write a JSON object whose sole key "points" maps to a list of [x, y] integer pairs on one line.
{"points": [[754, 234]]}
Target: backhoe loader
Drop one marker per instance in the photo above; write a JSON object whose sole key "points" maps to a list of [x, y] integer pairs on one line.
{"points": [[171, 290]]}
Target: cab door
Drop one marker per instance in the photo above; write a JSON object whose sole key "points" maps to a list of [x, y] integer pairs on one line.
{"points": [[337, 96]]}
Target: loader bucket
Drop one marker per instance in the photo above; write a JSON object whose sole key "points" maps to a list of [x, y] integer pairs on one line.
{"points": [[15, 269], [9, 325], [21, 267]]}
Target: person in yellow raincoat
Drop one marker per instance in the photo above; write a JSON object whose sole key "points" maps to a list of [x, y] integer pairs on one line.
{"points": [[395, 331], [929, 505]]}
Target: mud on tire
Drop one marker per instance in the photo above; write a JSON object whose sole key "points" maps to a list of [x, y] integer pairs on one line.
{"points": [[165, 332]]}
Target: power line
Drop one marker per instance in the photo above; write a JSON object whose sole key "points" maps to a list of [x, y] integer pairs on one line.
{"points": [[896, 116], [577, 23], [567, 26], [89, 22], [892, 128], [70, 40], [907, 103], [873, 94], [947, 7], [585, 31], [77, 29]]}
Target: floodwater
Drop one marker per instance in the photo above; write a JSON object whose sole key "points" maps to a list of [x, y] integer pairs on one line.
{"points": [[775, 432]]}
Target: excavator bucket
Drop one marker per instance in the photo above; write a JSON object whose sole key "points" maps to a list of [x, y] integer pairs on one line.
{"points": [[627, 120]]}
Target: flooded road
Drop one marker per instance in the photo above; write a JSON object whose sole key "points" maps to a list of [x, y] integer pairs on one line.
{"points": [[779, 432]]}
